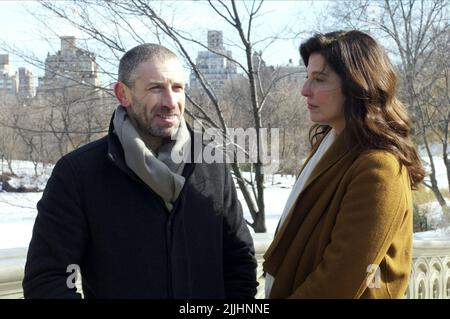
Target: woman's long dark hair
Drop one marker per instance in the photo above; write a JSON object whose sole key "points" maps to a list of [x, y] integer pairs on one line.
{"points": [[374, 117]]}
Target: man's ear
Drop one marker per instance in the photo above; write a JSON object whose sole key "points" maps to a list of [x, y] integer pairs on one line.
{"points": [[122, 93]]}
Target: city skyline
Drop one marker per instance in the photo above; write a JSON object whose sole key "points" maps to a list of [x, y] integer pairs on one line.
{"points": [[35, 39]]}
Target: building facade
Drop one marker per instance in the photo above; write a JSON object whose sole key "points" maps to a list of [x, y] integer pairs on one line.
{"points": [[26, 87], [70, 72], [214, 64], [287, 73], [8, 82]]}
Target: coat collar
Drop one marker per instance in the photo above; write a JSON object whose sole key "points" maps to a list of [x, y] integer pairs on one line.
{"points": [[340, 150]]}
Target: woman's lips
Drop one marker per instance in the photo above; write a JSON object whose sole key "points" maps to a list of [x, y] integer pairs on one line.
{"points": [[312, 107]]}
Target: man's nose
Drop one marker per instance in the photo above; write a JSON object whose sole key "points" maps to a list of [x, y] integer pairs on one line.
{"points": [[169, 98]]}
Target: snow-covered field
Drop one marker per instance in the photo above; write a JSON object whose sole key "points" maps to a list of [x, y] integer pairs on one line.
{"points": [[18, 210], [26, 175], [275, 196]]}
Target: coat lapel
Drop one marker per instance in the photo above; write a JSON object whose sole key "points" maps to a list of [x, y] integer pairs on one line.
{"points": [[333, 155], [336, 151]]}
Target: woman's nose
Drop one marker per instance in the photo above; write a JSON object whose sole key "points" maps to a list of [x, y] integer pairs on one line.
{"points": [[306, 88]]}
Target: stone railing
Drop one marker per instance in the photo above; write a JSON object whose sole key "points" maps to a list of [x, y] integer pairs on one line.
{"points": [[12, 262], [430, 277]]}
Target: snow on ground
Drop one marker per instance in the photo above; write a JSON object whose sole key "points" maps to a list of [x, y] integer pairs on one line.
{"points": [[436, 150], [434, 215], [18, 206], [15, 234], [17, 215], [26, 175], [433, 212], [443, 233], [275, 198], [441, 172], [277, 190], [18, 210]]}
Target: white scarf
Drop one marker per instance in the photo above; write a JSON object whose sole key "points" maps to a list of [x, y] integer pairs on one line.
{"points": [[159, 172], [297, 189]]}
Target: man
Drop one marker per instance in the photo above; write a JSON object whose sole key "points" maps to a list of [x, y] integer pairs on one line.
{"points": [[136, 222]]}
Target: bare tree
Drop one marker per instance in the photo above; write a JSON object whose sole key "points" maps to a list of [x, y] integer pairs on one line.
{"points": [[10, 141], [8, 145], [44, 130], [435, 98], [287, 110], [110, 23]]}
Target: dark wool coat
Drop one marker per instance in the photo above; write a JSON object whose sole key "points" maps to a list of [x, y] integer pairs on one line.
{"points": [[96, 213]]}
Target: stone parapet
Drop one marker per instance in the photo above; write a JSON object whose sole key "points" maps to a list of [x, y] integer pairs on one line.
{"points": [[430, 276]]}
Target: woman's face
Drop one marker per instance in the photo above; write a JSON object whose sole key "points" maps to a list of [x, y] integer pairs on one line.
{"points": [[323, 91]]}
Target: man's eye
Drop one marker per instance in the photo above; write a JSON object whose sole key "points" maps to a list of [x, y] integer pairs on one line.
{"points": [[178, 88]]}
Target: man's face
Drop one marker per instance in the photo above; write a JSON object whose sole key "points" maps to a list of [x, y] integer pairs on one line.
{"points": [[157, 98]]}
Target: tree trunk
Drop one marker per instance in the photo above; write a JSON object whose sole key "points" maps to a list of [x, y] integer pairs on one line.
{"points": [[434, 185], [437, 192], [260, 223]]}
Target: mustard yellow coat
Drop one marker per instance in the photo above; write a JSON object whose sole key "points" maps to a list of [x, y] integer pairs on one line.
{"points": [[350, 233]]}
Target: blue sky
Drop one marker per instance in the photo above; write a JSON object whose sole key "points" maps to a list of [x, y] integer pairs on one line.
{"points": [[22, 30]]}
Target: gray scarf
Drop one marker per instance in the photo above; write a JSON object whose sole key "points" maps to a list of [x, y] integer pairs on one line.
{"points": [[159, 172]]}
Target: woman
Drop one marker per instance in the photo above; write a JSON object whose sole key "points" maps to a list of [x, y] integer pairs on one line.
{"points": [[346, 231]]}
